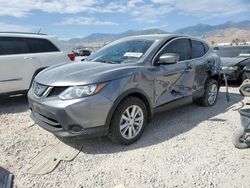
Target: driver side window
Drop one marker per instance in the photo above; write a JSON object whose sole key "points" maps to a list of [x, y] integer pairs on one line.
{"points": [[181, 47]]}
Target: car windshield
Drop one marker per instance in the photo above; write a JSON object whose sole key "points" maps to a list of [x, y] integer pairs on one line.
{"points": [[235, 51], [128, 51]]}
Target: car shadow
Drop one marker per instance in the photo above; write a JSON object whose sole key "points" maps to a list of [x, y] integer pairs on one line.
{"points": [[163, 127], [232, 84], [13, 104]]}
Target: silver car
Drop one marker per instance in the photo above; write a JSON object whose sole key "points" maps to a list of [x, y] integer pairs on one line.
{"points": [[23, 56], [118, 88]]}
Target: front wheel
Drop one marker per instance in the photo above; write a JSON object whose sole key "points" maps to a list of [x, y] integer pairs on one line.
{"points": [[211, 93], [129, 120], [239, 140]]}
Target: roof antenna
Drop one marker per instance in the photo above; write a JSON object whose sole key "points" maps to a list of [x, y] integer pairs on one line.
{"points": [[39, 30]]}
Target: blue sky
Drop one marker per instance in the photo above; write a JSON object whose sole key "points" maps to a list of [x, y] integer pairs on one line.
{"points": [[78, 18]]}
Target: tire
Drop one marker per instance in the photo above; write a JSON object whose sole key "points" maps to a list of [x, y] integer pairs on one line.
{"points": [[35, 74], [209, 86], [244, 88], [33, 77], [238, 140], [243, 77], [125, 129]]}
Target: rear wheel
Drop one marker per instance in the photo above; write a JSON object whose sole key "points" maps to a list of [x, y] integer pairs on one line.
{"points": [[243, 77], [211, 93], [128, 121]]}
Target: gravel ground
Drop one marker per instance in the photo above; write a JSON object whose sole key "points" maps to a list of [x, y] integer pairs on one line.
{"points": [[186, 147]]}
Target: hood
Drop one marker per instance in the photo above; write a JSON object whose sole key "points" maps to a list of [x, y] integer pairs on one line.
{"points": [[83, 73], [231, 61]]}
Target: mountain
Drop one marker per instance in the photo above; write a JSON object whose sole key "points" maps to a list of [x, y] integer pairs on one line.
{"points": [[196, 30], [97, 37], [225, 32], [227, 35], [202, 29]]}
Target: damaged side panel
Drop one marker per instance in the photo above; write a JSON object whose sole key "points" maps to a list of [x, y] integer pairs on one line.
{"points": [[172, 82]]}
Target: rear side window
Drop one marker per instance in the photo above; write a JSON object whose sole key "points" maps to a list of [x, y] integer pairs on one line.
{"points": [[40, 46], [181, 47], [198, 49], [12, 45]]}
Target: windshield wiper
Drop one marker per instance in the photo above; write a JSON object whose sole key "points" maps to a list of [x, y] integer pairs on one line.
{"points": [[107, 61]]}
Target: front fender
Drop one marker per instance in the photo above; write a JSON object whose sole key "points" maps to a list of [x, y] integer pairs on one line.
{"points": [[118, 90]]}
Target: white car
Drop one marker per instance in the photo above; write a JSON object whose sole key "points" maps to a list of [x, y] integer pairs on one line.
{"points": [[23, 56]]}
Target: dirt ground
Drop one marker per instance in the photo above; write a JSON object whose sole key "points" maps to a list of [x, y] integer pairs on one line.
{"points": [[186, 147]]}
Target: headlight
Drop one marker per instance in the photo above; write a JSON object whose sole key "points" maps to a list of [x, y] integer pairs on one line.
{"points": [[76, 92], [233, 68]]}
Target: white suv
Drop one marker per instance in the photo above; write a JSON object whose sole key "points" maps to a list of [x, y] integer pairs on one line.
{"points": [[23, 56]]}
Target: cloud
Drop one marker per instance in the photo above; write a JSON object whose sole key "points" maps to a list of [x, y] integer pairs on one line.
{"points": [[151, 11], [138, 9], [17, 28], [205, 8], [85, 21], [17, 8], [141, 10]]}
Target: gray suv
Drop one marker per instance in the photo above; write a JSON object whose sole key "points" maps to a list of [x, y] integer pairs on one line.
{"points": [[118, 88]]}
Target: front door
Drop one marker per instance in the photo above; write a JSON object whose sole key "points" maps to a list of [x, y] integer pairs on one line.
{"points": [[174, 81]]}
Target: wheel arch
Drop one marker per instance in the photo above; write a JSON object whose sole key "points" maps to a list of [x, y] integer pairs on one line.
{"points": [[216, 77], [36, 73], [129, 93]]}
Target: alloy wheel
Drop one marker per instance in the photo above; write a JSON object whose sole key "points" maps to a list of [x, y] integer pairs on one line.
{"points": [[212, 94], [131, 122]]}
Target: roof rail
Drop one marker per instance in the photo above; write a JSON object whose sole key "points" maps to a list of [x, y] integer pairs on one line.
{"points": [[22, 33]]}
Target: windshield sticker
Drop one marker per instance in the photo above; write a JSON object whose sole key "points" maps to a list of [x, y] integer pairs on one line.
{"points": [[133, 54]]}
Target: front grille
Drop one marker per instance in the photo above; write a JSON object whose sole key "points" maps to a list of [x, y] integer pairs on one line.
{"points": [[56, 91]]}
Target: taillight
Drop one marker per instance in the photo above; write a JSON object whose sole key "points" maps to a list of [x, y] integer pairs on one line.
{"points": [[72, 57]]}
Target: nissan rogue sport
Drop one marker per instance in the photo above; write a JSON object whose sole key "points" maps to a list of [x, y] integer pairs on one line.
{"points": [[118, 88]]}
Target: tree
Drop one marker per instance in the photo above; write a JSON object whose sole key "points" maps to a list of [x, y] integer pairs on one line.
{"points": [[236, 41], [244, 42]]}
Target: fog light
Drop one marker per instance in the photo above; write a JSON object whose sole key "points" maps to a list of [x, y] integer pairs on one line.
{"points": [[76, 128]]}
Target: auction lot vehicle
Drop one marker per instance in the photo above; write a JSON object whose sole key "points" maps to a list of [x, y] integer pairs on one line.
{"points": [[82, 52], [23, 56], [233, 61], [118, 88]]}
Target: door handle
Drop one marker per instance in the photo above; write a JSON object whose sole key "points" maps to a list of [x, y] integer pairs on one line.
{"points": [[189, 67], [28, 58]]}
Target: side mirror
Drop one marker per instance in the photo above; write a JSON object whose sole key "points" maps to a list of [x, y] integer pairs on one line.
{"points": [[168, 58]]}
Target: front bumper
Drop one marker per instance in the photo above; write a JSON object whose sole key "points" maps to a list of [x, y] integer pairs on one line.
{"points": [[231, 75], [79, 117]]}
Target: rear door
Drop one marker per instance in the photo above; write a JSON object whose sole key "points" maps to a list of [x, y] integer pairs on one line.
{"points": [[48, 53], [174, 81], [200, 63], [16, 64]]}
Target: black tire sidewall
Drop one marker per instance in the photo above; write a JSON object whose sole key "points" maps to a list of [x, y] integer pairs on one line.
{"points": [[237, 142], [204, 99], [243, 77], [115, 122]]}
